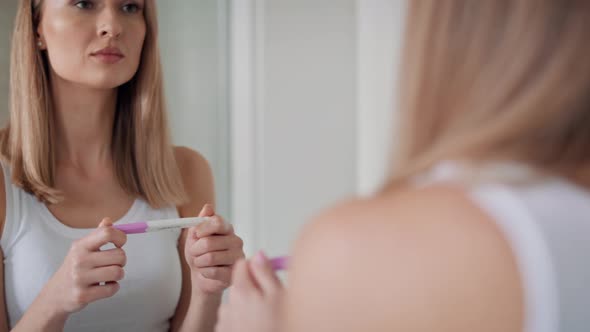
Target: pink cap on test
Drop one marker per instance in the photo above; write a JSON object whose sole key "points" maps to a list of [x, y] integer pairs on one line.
{"points": [[133, 228], [279, 263]]}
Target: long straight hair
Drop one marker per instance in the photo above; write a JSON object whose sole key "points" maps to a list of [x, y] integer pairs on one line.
{"points": [[494, 81], [141, 148]]}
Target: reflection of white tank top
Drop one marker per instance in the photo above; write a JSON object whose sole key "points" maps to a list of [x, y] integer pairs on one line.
{"points": [[35, 243], [547, 222]]}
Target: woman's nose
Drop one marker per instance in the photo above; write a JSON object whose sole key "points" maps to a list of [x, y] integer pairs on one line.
{"points": [[109, 25]]}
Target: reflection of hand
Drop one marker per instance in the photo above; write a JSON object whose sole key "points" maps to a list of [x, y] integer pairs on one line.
{"points": [[255, 299], [211, 250], [77, 282]]}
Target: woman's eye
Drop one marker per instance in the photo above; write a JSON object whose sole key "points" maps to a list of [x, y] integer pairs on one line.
{"points": [[131, 8], [84, 4]]}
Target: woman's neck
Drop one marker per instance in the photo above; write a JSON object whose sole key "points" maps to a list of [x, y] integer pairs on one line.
{"points": [[83, 124]]}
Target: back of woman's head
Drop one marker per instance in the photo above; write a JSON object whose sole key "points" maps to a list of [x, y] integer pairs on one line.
{"points": [[496, 80]]}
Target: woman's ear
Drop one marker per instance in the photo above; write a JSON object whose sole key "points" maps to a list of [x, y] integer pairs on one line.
{"points": [[39, 30], [39, 37]]}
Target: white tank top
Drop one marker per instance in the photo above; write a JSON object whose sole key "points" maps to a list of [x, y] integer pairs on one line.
{"points": [[35, 244], [546, 221]]}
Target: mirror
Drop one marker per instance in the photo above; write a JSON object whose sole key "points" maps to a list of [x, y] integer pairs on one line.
{"points": [[282, 97], [193, 43]]}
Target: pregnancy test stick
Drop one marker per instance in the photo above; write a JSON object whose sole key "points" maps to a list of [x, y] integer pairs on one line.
{"points": [[157, 225], [279, 263]]}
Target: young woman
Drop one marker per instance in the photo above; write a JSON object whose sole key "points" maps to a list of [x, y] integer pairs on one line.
{"points": [[485, 224], [88, 138]]}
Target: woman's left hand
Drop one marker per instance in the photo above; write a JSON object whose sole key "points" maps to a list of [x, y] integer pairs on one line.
{"points": [[211, 250], [255, 299]]}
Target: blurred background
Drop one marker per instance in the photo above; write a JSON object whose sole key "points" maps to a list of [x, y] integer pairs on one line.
{"points": [[291, 101]]}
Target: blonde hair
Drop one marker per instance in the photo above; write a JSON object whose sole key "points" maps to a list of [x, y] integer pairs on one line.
{"points": [[496, 80], [143, 156]]}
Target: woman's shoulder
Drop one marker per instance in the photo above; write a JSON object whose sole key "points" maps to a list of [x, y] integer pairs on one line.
{"points": [[197, 178], [433, 208], [406, 259], [189, 158], [192, 164]]}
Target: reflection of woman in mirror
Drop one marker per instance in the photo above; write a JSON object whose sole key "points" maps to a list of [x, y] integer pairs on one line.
{"points": [[88, 138], [484, 226]]}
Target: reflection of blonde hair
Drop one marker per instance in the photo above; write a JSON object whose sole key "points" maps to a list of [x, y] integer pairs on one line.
{"points": [[143, 155], [496, 80]]}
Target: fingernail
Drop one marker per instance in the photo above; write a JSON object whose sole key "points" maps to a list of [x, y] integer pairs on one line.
{"points": [[260, 258]]}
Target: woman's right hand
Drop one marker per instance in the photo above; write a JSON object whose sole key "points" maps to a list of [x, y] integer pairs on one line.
{"points": [[87, 273]]}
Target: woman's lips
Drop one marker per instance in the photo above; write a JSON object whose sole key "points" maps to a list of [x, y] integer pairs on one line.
{"points": [[108, 55], [108, 58]]}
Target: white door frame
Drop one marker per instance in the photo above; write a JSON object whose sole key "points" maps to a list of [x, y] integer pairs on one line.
{"points": [[246, 58]]}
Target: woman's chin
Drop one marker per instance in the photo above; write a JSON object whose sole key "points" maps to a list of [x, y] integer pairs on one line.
{"points": [[107, 83]]}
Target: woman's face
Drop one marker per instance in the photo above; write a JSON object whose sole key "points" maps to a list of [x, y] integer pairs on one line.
{"points": [[96, 43]]}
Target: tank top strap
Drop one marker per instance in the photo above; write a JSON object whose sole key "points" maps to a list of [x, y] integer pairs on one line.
{"points": [[530, 248], [497, 189]]}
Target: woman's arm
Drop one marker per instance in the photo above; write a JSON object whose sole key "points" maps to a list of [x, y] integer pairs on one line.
{"points": [[62, 294], [198, 180], [77, 282], [195, 311], [3, 312], [44, 320], [423, 260], [202, 287]]}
